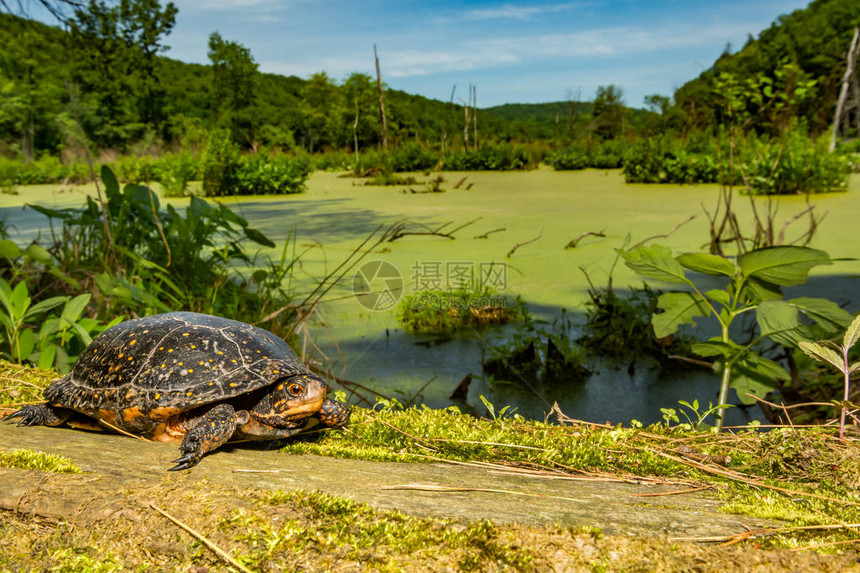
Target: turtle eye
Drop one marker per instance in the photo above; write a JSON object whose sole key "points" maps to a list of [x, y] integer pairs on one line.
{"points": [[295, 389]]}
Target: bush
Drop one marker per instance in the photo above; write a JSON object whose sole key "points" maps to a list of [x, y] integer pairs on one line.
{"points": [[568, 159], [279, 175], [220, 164], [802, 166], [175, 173], [501, 157]]}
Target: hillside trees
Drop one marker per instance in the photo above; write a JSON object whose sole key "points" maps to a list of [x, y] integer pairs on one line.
{"points": [[115, 53], [234, 79]]}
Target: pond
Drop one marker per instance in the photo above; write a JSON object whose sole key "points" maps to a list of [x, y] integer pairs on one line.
{"points": [[368, 346]]}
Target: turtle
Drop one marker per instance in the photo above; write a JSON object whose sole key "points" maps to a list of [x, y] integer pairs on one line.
{"points": [[189, 379]]}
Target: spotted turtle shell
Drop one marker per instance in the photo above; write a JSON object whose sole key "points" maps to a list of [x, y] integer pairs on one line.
{"points": [[151, 369]]}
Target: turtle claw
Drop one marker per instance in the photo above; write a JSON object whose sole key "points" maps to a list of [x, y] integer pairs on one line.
{"points": [[30, 415], [185, 462]]}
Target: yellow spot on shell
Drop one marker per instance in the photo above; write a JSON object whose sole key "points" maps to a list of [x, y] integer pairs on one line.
{"points": [[193, 346], [202, 363], [121, 354], [163, 365], [188, 393], [180, 364], [276, 371], [233, 361], [185, 333], [132, 342], [170, 350], [157, 396], [130, 358], [232, 384], [161, 348], [190, 370], [219, 352]]}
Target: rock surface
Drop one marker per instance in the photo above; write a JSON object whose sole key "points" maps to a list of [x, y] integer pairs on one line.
{"points": [[119, 468]]}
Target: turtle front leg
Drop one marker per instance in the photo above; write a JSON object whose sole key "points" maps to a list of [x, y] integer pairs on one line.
{"points": [[208, 432], [40, 415]]}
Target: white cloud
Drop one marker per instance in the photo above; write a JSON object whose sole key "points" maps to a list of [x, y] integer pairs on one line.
{"points": [[511, 11], [495, 52]]}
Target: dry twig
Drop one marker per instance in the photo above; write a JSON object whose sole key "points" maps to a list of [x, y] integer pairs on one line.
{"points": [[215, 549]]}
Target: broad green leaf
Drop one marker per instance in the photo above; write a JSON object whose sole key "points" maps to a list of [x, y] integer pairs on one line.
{"points": [[826, 314], [822, 353], [46, 357], [258, 237], [26, 344], [780, 322], [719, 296], [655, 262], [44, 306], [715, 347], [19, 300], [9, 249], [38, 253], [760, 290], [754, 365], [199, 207], [707, 264], [678, 308], [854, 368], [75, 307], [782, 265], [111, 184], [745, 385], [852, 334], [82, 334]]}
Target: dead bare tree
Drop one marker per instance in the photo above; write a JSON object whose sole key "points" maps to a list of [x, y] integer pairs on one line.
{"points": [[475, 116], [381, 101], [843, 92]]}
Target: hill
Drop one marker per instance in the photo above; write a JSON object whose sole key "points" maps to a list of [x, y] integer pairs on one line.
{"points": [[815, 39]]}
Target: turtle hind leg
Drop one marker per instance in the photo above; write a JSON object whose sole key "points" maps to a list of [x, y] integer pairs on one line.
{"points": [[208, 432], [40, 415]]}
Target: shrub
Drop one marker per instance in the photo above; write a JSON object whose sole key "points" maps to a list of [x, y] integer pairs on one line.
{"points": [[501, 157], [568, 159], [220, 164], [279, 175], [175, 173]]}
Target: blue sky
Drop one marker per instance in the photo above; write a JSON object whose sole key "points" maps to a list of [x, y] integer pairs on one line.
{"points": [[512, 51]]}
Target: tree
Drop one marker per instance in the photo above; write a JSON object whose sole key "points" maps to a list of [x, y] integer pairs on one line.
{"points": [[320, 95], [358, 107], [115, 53], [609, 112], [234, 78]]}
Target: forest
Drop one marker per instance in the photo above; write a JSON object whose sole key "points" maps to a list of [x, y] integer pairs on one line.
{"points": [[102, 69]]}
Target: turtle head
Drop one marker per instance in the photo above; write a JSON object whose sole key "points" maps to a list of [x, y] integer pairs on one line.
{"points": [[291, 399]]}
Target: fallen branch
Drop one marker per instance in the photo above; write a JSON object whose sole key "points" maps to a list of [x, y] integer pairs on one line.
{"points": [[399, 231], [487, 234], [734, 538], [449, 489], [574, 242], [737, 477], [215, 549], [518, 245]]}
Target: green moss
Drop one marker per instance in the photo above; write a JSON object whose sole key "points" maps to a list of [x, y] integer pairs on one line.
{"points": [[379, 538], [33, 460]]}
